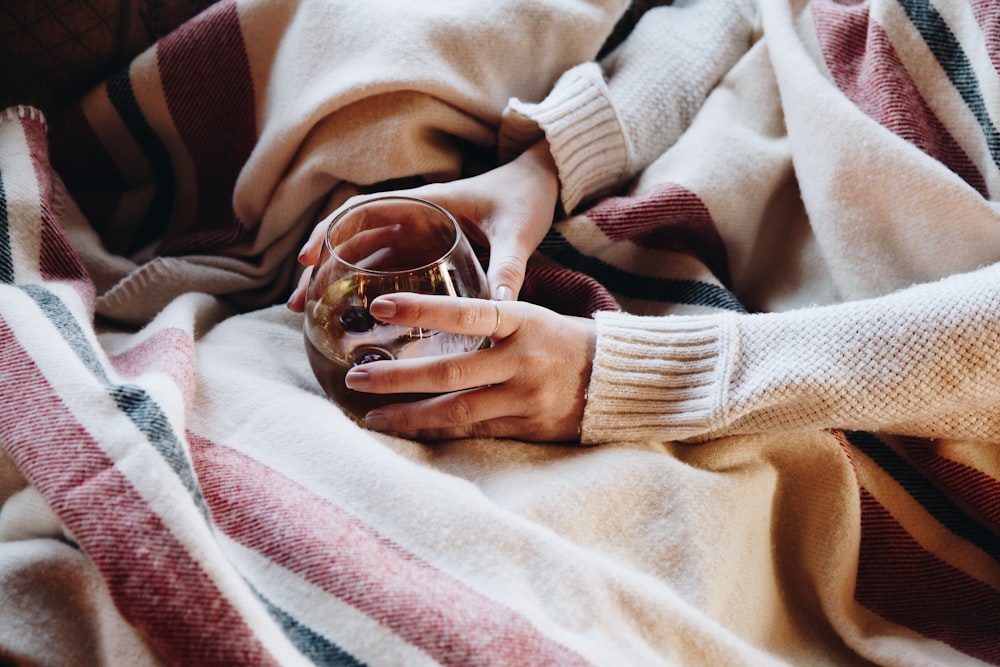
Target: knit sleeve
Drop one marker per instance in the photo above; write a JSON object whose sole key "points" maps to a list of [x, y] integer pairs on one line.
{"points": [[607, 121], [924, 361]]}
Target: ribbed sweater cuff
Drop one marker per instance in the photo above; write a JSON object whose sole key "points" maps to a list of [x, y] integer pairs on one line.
{"points": [[584, 133], [663, 377]]}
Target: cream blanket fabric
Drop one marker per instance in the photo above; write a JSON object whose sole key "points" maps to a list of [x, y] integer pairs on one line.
{"points": [[176, 490]]}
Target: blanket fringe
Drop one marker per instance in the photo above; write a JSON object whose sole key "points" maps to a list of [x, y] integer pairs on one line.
{"points": [[22, 112]]}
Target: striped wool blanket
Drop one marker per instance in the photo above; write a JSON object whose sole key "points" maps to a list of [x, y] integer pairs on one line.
{"points": [[174, 488]]}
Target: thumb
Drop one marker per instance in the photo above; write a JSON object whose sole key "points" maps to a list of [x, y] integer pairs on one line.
{"points": [[506, 272]]}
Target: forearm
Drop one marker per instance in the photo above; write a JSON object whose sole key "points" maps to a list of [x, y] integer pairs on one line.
{"points": [[606, 122], [923, 361]]}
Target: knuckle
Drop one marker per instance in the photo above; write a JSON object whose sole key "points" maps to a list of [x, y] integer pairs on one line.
{"points": [[457, 411], [509, 267], [400, 419], [448, 374], [383, 383], [487, 429], [509, 270], [411, 310], [466, 317]]}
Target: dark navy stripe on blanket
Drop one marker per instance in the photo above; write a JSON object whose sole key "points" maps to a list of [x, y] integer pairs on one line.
{"points": [[921, 489], [6, 256], [948, 52], [313, 645], [146, 414], [667, 290], [134, 401], [119, 89]]}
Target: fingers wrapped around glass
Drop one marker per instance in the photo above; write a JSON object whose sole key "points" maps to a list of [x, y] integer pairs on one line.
{"points": [[380, 246]]}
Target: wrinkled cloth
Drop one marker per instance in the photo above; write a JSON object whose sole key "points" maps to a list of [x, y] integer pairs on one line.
{"points": [[176, 489]]}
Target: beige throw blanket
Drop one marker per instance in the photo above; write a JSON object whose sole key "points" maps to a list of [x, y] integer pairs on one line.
{"points": [[175, 489]]}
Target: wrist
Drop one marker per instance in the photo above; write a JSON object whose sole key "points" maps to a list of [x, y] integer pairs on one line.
{"points": [[543, 170]]}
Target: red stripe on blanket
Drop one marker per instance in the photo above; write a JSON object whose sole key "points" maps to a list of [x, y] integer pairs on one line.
{"points": [[670, 218], [970, 487], [153, 580], [905, 584], [168, 351], [867, 69], [58, 261], [209, 90], [987, 14], [343, 556], [566, 291]]}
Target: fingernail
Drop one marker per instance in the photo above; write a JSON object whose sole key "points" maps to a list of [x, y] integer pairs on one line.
{"points": [[504, 293], [376, 421], [382, 308], [358, 379]]}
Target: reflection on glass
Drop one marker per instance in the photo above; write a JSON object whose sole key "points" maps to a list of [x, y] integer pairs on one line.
{"points": [[379, 246]]}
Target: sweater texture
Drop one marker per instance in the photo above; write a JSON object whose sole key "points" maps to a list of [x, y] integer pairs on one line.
{"points": [[854, 321]]}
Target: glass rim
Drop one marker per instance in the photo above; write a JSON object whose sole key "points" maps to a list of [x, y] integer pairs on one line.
{"points": [[335, 217]]}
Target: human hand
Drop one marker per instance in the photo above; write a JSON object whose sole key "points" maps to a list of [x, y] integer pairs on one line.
{"points": [[530, 384], [509, 208]]}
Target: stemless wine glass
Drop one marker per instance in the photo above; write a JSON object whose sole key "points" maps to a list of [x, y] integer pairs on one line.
{"points": [[379, 246]]}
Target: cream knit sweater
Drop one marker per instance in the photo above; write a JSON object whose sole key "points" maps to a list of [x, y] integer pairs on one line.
{"points": [[906, 337]]}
